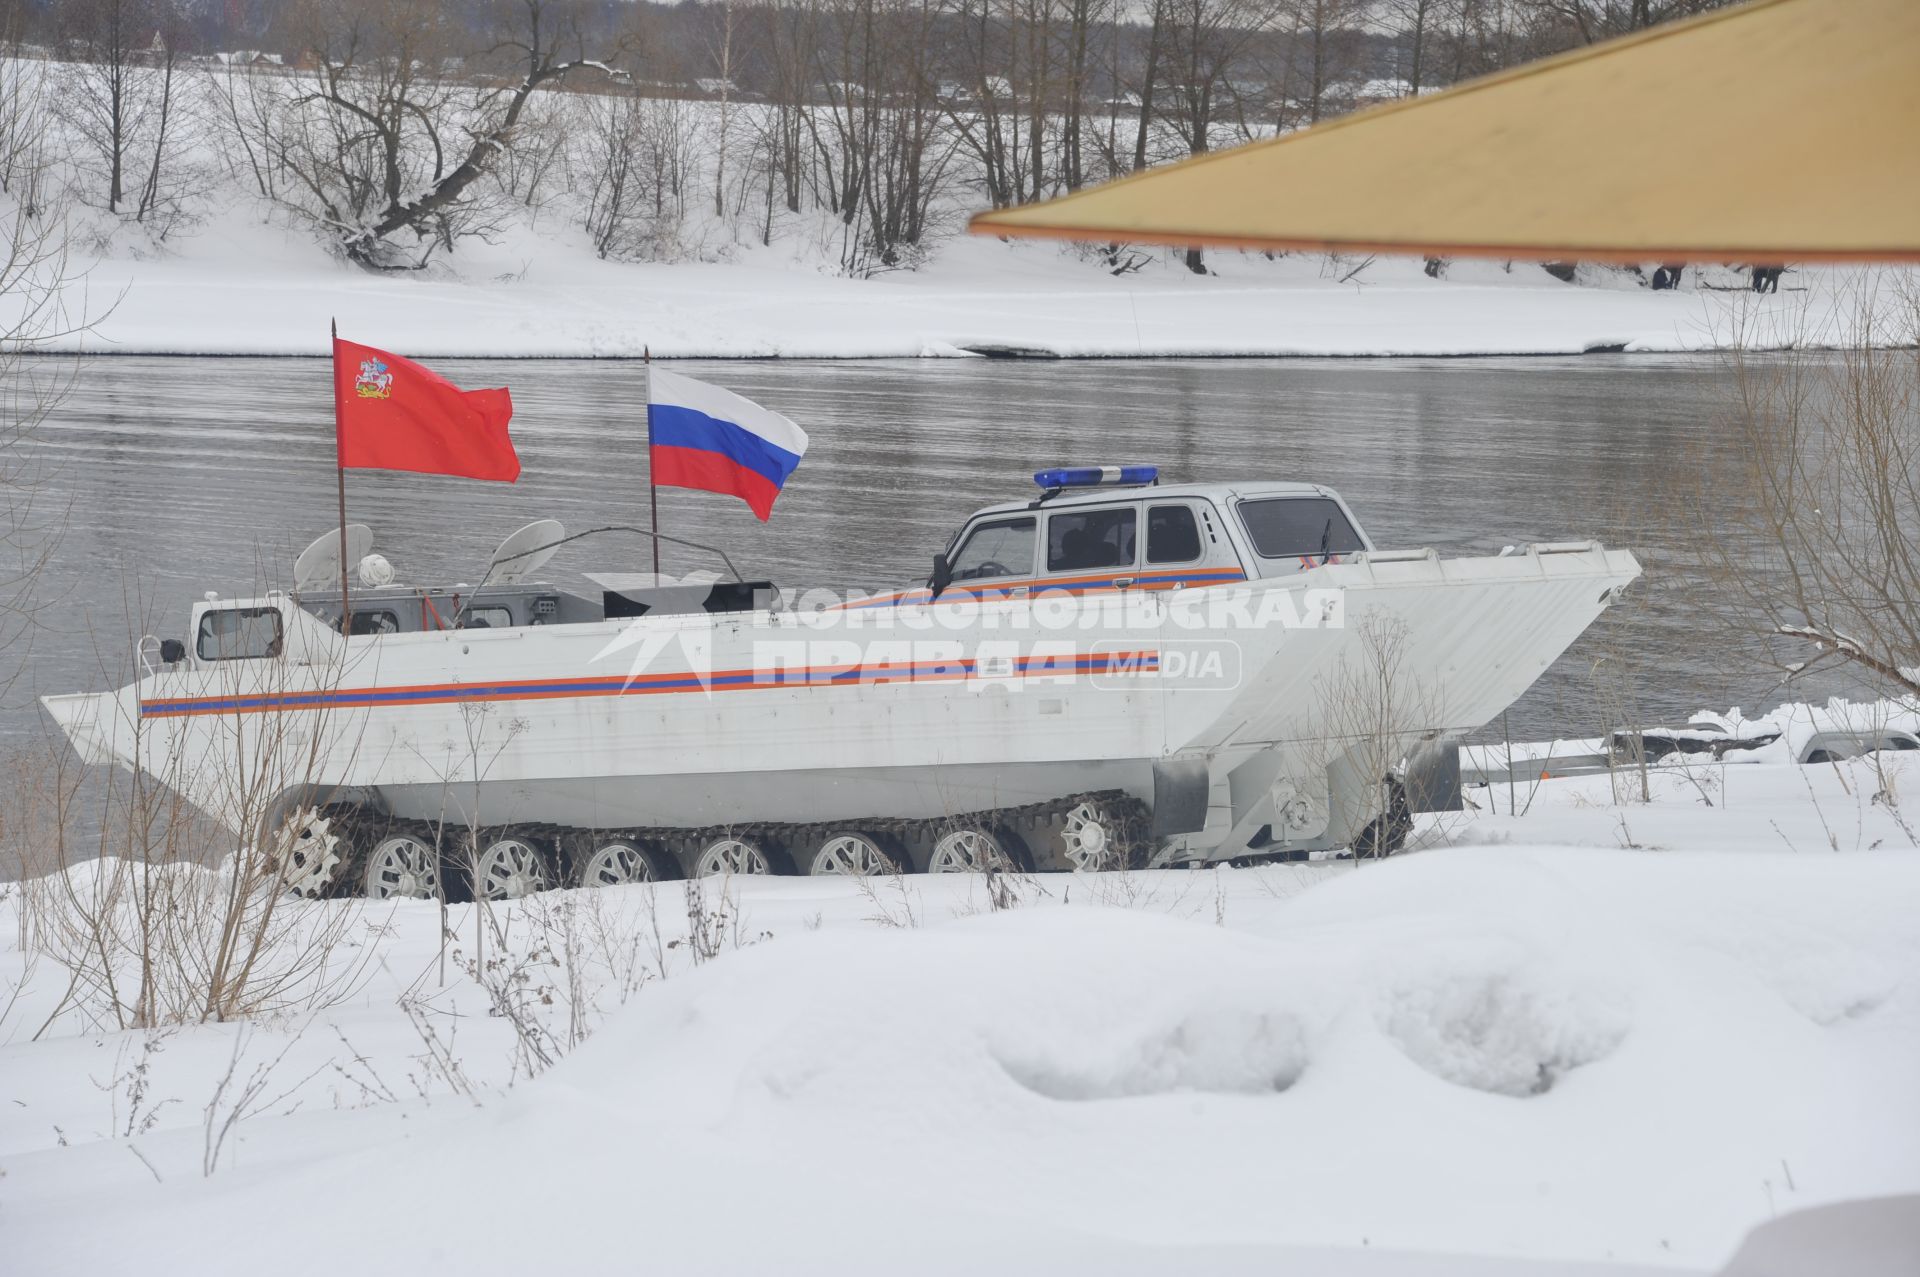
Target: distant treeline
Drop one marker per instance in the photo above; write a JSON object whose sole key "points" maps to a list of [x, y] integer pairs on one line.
{"points": [[1292, 60], [398, 127]]}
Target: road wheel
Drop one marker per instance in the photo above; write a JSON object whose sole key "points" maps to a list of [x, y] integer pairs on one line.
{"points": [[402, 867], [854, 855], [508, 868], [730, 855], [617, 861], [969, 849]]}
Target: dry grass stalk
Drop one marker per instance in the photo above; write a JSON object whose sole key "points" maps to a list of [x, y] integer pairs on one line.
{"points": [[136, 897]]}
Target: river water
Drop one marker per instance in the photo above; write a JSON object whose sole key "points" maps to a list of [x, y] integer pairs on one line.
{"points": [[183, 475]]}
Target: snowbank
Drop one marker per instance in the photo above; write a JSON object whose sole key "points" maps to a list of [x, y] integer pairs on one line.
{"points": [[1695, 756], [1507, 1052], [243, 284]]}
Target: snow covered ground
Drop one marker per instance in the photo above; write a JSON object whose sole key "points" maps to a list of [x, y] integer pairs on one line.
{"points": [[1600, 1036], [245, 284]]}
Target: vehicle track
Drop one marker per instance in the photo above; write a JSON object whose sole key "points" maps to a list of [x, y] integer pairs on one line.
{"points": [[387, 857]]}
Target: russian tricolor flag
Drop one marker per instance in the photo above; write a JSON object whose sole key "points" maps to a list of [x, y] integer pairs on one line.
{"points": [[712, 440]]}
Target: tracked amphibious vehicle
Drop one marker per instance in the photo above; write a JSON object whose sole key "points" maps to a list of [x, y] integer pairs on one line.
{"points": [[1118, 672]]}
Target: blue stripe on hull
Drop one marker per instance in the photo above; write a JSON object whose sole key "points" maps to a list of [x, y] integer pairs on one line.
{"points": [[813, 676]]}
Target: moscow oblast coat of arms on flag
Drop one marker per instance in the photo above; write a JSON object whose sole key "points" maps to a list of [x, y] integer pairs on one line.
{"points": [[375, 380]]}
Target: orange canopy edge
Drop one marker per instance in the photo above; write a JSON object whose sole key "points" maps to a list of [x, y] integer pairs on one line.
{"points": [[1780, 130]]}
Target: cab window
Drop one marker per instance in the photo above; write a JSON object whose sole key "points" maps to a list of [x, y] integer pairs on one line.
{"points": [[1298, 527], [1085, 540], [1001, 548], [1172, 534], [489, 618], [380, 621], [238, 633]]}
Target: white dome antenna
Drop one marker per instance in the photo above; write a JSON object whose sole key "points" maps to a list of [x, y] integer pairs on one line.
{"points": [[375, 571]]}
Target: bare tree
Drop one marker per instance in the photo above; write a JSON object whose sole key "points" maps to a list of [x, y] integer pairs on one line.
{"points": [[24, 125], [1035, 51], [909, 145], [637, 160], [1208, 42], [1482, 36], [886, 148], [104, 88], [160, 193], [987, 110], [1322, 50], [1159, 26], [790, 53], [1820, 567], [1019, 107], [248, 105], [723, 66], [526, 169], [1087, 22], [1567, 22], [610, 128], [36, 300], [397, 128], [123, 99], [1416, 23]]}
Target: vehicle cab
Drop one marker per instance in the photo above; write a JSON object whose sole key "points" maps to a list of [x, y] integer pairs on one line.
{"points": [[1118, 527], [246, 632]]}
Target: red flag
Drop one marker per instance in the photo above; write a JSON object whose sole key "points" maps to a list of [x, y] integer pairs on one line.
{"points": [[392, 414]]}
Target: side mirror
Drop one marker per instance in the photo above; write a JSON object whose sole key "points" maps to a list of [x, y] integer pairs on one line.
{"points": [[172, 651], [942, 575]]}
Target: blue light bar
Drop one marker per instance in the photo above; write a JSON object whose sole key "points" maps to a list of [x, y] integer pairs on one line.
{"points": [[1096, 477]]}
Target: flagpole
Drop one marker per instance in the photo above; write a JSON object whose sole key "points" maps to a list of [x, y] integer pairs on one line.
{"points": [[653, 489], [340, 474]]}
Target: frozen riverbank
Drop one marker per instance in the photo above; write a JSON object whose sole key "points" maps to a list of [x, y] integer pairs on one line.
{"points": [[242, 286]]}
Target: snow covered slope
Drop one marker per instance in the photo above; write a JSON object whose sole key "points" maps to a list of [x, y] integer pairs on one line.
{"points": [[1584, 1057], [243, 285]]}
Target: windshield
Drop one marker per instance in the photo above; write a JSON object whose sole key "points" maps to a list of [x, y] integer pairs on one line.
{"points": [[1001, 548], [240, 633], [1290, 527]]}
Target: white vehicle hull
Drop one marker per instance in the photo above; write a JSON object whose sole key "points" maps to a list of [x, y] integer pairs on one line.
{"points": [[908, 712]]}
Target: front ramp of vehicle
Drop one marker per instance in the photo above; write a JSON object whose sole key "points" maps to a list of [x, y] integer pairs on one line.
{"points": [[89, 720]]}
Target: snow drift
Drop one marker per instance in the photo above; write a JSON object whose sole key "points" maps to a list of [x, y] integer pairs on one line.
{"points": [[1548, 1054]]}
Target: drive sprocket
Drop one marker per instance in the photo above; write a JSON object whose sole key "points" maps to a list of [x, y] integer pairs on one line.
{"points": [[306, 853]]}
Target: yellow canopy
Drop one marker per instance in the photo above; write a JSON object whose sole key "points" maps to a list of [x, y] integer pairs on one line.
{"points": [[1782, 130]]}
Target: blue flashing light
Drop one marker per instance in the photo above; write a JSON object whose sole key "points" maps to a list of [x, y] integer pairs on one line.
{"points": [[1096, 477]]}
